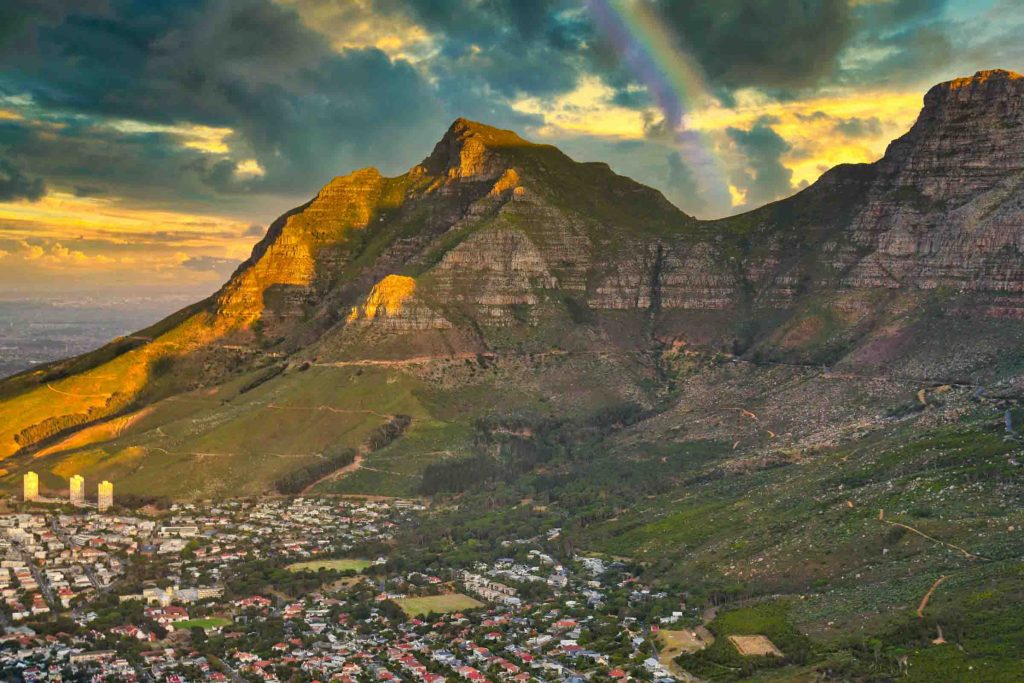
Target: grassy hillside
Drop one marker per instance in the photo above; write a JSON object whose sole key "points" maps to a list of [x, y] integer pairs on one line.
{"points": [[829, 553]]}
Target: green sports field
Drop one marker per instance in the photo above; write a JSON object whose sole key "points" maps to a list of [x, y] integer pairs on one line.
{"points": [[441, 604]]}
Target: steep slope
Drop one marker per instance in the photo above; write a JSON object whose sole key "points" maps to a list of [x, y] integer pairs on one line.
{"points": [[501, 278]]}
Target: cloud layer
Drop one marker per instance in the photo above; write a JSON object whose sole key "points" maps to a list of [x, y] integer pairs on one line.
{"points": [[241, 108]]}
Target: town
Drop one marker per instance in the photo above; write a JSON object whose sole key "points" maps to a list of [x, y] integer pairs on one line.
{"points": [[309, 589]]}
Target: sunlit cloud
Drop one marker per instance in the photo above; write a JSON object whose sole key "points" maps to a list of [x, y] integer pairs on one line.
{"points": [[822, 131], [61, 214], [588, 110], [738, 196], [64, 235], [814, 127], [202, 138], [358, 24], [249, 167]]}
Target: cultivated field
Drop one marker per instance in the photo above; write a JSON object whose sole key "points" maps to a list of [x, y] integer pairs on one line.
{"points": [[441, 604], [755, 646], [674, 643], [339, 565], [671, 644]]}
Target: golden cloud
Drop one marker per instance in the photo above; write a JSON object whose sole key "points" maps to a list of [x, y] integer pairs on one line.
{"points": [[67, 235], [357, 24], [587, 110], [817, 129], [208, 139], [813, 129]]}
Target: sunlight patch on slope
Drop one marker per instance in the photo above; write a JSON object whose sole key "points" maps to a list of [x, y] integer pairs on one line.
{"points": [[386, 298]]}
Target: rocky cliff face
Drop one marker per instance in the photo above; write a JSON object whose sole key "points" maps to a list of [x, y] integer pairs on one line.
{"points": [[945, 206], [494, 245]]}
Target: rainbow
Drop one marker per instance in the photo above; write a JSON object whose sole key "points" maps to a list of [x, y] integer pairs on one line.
{"points": [[672, 77]]}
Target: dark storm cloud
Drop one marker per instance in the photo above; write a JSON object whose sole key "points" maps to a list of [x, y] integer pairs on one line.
{"points": [[254, 230], [490, 53], [912, 38], [852, 127], [82, 148], [504, 46], [681, 187], [769, 44], [855, 127], [765, 178], [87, 191], [14, 184], [294, 103], [813, 116], [541, 47], [19, 19], [787, 47]]}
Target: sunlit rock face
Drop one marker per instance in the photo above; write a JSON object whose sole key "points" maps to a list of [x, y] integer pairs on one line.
{"points": [[290, 254], [470, 151], [392, 303]]}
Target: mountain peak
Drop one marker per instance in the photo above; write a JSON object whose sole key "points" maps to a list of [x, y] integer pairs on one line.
{"points": [[965, 141], [467, 149], [463, 128], [984, 76], [985, 89]]}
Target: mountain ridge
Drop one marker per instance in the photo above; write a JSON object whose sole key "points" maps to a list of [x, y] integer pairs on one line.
{"points": [[807, 415], [503, 248]]}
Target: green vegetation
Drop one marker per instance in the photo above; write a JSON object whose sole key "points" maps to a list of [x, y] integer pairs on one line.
{"points": [[438, 604], [722, 661], [809, 530], [206, 623], [296, 481], [260, 576]]}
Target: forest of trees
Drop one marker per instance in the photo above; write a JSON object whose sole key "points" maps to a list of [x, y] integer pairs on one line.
{"points": [[504, 449], [297, 480]]}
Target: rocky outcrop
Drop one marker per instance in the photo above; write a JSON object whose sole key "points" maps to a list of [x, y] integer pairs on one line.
{"points": [[392, 304], [470, 151], [495, 271]]}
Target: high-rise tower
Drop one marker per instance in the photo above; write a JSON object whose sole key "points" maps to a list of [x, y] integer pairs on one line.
{"points": [[105, 496], [31, 486], [77, 489]]}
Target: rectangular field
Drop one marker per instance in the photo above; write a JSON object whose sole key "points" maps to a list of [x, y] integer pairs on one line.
{"points": [[207, 624], [441, 604], [674, 643], [755, 646], [339, 565]]}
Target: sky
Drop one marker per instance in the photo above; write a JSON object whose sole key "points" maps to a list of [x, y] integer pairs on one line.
{"points": [[146, 144]]}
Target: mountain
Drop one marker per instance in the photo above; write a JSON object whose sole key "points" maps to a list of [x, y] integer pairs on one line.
{"points": [[811, 411], [499, 282]]}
